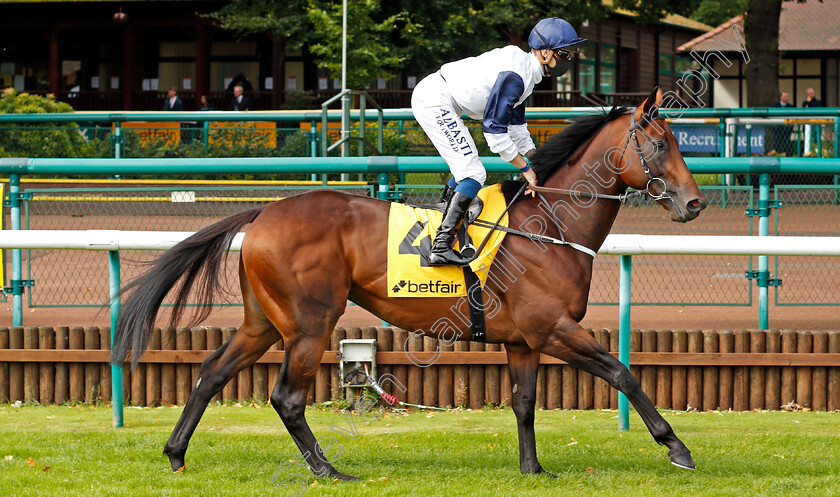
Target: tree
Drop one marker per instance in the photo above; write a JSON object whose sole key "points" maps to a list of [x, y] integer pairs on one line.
{"points": [[761, 33], [370, 52], [285, 21], [717, 12], [653, 11]]}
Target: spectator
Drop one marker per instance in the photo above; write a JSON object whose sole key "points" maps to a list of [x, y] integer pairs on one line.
{"points": [[783, 100], [173, 102], [240, 102], [781, 134], [206, 104], [810, 101]]}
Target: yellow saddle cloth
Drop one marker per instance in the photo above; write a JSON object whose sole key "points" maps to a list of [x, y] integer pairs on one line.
{"points": [[410, 234]]}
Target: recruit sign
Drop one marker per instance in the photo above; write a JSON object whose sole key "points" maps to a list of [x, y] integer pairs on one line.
{"points": [[707, 139]]}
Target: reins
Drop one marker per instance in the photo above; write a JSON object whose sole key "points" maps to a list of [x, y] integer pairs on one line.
{"points": [[623, 198], [626, 196]]}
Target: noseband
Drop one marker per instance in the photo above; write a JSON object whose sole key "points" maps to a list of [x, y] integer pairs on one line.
{"points": [[627, 196]]}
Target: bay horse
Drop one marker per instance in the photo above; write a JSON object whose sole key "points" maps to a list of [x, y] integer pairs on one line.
{"points": [[303, 257]]}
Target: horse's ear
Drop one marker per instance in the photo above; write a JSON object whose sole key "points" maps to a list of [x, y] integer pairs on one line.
{"points": [[650, 106]]}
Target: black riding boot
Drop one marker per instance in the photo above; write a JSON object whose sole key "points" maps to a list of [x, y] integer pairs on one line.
{"points": [[447, 194], [442, 253]]}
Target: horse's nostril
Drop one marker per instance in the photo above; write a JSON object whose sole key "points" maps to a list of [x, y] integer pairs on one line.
{"points": [[696, 205]]}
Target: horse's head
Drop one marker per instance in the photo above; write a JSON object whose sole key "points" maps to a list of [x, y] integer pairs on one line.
{"points": [[651, 160]]}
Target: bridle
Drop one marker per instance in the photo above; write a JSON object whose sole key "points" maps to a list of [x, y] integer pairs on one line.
{"points": [[623, 198], [631, 194]]}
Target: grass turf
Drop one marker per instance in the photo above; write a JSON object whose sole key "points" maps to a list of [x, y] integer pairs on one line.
{"points": [[72, 450]]}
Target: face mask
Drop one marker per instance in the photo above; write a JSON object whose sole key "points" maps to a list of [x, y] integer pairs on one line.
{"points": [[561, 68]]}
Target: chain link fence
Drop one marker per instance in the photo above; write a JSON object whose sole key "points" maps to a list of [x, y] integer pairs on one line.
{"points": [[77, 278], [807, 210]]}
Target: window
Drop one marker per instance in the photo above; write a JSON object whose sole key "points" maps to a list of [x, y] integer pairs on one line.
{"points": [[607, 69], [586, 76]]}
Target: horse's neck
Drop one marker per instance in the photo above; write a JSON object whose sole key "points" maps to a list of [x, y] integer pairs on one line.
{"points": [[587, 221]]}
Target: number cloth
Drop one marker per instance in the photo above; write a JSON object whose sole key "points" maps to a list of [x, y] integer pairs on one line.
{"points": [[410, 234]]}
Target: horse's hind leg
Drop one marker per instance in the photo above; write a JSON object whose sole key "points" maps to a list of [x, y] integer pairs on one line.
{"points": [[303, 356], [523, 364], [247, 345], [571, 343]]}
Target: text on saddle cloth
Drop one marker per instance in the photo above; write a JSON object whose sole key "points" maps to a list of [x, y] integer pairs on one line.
{"points": [[410, 234]]}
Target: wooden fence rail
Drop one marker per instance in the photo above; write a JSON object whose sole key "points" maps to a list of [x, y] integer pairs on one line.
{"points": [[693, 369]]}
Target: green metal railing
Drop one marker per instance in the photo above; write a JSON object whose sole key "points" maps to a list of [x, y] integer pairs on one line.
{"points": [[385, 168]]}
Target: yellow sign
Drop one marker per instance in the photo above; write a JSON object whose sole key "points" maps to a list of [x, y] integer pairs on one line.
{"points": [[221, 133], [410, 234]]}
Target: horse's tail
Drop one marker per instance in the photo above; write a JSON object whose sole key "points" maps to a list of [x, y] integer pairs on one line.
{"points": [[196, 262]]}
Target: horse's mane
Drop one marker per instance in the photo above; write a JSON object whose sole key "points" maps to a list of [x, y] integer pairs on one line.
{"points": [[560, 147]]}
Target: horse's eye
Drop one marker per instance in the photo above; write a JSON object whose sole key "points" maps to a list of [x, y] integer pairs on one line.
{"points": [[660, 144]]}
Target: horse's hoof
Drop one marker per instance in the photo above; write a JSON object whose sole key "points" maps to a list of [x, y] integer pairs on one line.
{"points": [[343, 477], [682, 460], [538, 471], [177, 461]]}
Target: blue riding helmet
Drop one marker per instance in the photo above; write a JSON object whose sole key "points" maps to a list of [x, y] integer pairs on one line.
{"points": [[553, 33]]}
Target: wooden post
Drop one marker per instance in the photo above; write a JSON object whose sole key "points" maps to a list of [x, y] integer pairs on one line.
{"points": [[788, 372], [446, 380], [46, 387], [105, 367], [773, 374], [476, 380], [260, 382], [77, 369], [647, 374], [92, 378], [385, 342], [430, 375], [336, 390], [31, 372], [710, 373], [741, 375], [834, 372], [183, 386], [695, 373], [804, 345], [400, 372], [491, 378], [664, 343], [601, 387], [461, 373], [679, 374], [541, 377], [554, 387], [819, 375], [154, 396], [4, 367], [169, 395], [415, 373], [726, 345], [757, 346]]}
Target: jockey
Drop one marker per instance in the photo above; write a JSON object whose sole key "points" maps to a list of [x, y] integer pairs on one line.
{"points": [[491, 87]]}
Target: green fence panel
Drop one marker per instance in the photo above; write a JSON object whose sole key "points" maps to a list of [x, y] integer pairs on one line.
{"points": [[808, 210], [77, 278]]}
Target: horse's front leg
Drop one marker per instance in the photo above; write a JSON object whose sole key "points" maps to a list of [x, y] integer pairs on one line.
{"points": [[523, 364], [573, 344]]}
